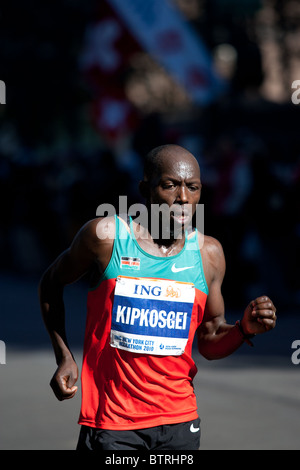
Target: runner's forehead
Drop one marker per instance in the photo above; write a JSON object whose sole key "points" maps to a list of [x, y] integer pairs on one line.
{"points": [[179, 168]]}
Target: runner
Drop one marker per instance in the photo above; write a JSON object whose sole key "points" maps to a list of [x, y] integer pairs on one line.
{"points": [[149, 296]]}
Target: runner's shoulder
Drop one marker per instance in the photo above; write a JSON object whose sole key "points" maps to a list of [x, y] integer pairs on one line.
{"points": [[212, 251], [98, 230]]}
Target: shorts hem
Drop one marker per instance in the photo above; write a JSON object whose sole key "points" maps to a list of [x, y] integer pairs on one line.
{"points": [[140, 425]]}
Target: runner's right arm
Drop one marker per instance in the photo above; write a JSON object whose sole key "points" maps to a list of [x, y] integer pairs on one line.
{"points": [[86, 249]]}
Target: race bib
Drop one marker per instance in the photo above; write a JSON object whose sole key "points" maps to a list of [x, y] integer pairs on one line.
{"points": [[151, 316]]}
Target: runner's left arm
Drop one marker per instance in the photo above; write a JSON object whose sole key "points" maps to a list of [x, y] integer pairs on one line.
{"points": [[216, 338]]}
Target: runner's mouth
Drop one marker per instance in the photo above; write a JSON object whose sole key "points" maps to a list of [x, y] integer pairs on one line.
{"points": [[181, 216]]}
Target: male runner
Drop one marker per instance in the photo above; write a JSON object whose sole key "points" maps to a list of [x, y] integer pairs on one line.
{"points": [[148, 298]]}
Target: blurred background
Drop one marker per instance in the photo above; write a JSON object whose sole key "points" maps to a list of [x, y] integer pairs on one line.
{"points": [[92, 86]]}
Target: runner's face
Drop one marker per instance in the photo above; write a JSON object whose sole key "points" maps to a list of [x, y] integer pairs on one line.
{"points": [[179, 186]]}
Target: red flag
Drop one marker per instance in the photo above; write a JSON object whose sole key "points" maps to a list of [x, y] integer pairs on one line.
{"points": [[105, 60]]}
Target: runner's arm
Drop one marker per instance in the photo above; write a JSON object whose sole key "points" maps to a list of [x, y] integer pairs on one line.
{"points": [[70, 266], [216, 338]]}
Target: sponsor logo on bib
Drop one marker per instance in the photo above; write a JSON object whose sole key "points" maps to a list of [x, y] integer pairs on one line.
{"points": [[151, 316]]}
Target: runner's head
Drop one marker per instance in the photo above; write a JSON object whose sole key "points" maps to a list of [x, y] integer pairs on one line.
{"points": [[172, 177]]}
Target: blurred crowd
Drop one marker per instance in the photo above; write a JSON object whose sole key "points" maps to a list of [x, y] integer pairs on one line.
{"points": [[55, 169]]}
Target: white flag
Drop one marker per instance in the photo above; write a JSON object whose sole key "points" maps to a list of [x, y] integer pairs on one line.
{"points": [[164, 33]]}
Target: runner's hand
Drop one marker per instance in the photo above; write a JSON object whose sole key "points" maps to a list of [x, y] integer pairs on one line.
{"points": [[62, 382], [259, 316]]}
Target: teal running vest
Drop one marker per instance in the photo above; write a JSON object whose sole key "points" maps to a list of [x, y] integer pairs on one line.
{"points": [[141, 320]]}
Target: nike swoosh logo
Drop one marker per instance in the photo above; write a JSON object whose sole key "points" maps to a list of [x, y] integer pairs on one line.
{"points": [[177, 270], [192, 429]]}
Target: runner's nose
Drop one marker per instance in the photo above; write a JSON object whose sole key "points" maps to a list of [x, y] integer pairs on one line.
{"points": [[182, 197]]}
